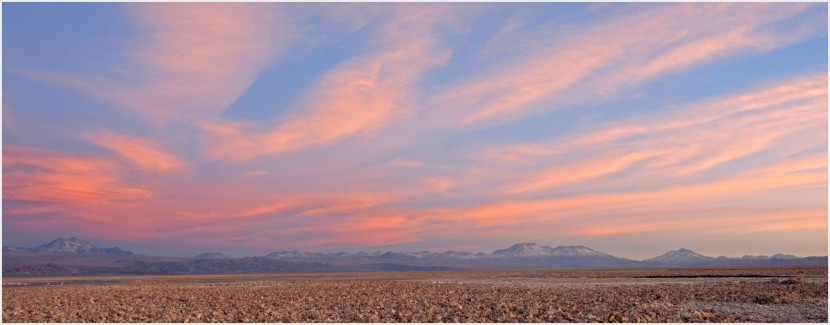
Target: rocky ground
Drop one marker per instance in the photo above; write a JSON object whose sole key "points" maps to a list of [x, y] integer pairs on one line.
{"points": [[777, 295]]}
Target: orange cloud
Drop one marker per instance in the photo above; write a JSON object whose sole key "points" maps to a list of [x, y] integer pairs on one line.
{"points": [[201, 57], [442, 184], [360, 96], [705, 44], [370, 228], [71, 181], [690, 140], [197, 59], [737, 221], [676, 172], [754, 183], [141, 152], [634, 48], [781, 220], [578, 172], [315, 204]]}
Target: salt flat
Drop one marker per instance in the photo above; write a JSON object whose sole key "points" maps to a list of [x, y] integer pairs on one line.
{"points": [[792, 294]]}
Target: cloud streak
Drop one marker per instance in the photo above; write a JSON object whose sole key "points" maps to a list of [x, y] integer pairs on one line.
{"points": [[70, 180], [359, 97], [635, 47], [142, 153], [196, 60], [410, 126]]}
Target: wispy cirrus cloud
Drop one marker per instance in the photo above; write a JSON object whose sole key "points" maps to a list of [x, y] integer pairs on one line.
{"points": [[700, 136], [592, 169], [360, 96], [670, 201], [141, 152], [639, 45], [407, 125], [678, 158], [68, 181], [196, 60], [736, 223]]}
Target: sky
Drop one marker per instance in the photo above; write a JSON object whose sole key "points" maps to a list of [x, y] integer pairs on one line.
{"points": [[245, 128]]}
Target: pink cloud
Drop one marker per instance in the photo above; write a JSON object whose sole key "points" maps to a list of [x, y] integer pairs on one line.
{"points": [[359, 97], [760, 182], [693, 138], [739, 223], [348, 217], [144, 153], [371, 228], [406, 163], [580, 171], [201, 57], [196, 60], [628, 50], [79, 184], [441, 184]]}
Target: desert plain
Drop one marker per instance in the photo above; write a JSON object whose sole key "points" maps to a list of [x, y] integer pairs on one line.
{"points": [[751, 294]]}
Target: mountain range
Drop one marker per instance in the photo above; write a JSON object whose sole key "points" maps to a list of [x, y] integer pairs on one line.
{"points": [[74, 256]]}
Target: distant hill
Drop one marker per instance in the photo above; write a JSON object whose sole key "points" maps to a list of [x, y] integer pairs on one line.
{"points": [[686, 257], [77, 257], [72, 245], [680, 257], [211, 256], [534, 250], [73, 256]]}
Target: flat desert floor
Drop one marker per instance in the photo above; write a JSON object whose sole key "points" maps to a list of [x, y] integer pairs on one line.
{"points": [[786, 294]]}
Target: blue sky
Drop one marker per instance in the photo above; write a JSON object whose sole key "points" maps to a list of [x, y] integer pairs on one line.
{"points": [[246, 128]]}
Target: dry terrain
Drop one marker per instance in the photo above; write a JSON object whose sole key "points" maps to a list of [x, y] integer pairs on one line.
{"points": [[791, 294]]}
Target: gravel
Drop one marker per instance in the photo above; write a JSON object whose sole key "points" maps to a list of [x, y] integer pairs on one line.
{"points": [[516, 296]]}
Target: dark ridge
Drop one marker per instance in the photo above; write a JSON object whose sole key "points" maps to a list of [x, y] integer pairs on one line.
{"points": [[710, 276], [404, 267]]}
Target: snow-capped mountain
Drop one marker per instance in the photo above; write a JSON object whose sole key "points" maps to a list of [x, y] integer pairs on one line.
{"points": [[74, 256], [680, 256], [458, 255], [576, 251], [752, 257], [534, 250], [71, 245], [62, 245], [523, 250]]}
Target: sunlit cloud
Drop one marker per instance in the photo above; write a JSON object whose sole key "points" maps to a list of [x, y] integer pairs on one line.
{"points": [[690, 139], [406, 163], [767, 181], [637, 47], [579, 171], [725, 224], [442, 184], [360, 96], [195, 61], [261, 127], [143, 153], [66, 182]]}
